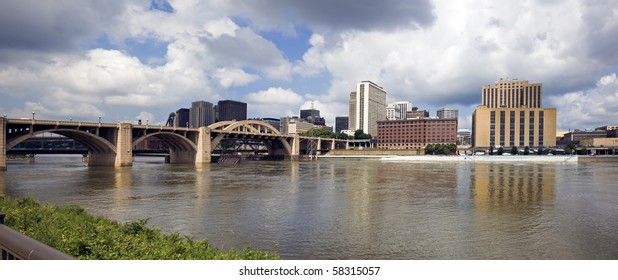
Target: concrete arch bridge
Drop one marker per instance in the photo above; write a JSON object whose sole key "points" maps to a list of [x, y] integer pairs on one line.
{"points": [[112, 144]]}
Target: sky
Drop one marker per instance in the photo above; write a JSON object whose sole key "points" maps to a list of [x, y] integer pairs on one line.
{"points": [[142, 59]]}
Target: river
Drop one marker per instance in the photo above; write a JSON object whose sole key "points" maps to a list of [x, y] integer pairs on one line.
{"points": [[350, 208]]}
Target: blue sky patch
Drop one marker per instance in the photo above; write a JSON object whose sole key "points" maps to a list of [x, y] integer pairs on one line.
{"points": [[161, 5], [293, 46]]}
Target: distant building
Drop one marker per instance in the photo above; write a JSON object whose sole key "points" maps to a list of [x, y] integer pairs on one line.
{"points": [[230, 110], [352, 111], [202, 113], [607, 127], [367, 107], [182, 117], [404, 107], [415, 113], [296, 125], [274, 122], [392, 112], [512, 114], [576, 136], [312, 116], [416, 133], [447, 113], [341, 123], [464, 136]]}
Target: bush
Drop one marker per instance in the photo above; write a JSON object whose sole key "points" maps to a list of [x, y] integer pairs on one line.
{"points": [[71, 230]]}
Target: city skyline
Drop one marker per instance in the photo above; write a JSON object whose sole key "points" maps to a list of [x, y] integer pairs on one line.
{"points": [[144, 59]]}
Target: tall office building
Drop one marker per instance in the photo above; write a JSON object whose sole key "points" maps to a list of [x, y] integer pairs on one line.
{"points": [[404, 107], [352, 111], [202, 113], [182, 117], [341, 123], [511, 114], [392, 112], [367, 107], [312, 116], [447, 113], [230, 110]]}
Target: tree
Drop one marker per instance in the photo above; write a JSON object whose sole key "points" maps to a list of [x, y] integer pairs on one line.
{"points": [[500, 151], [429, 149], [526, 150], [491, 150], [514, 150], [584, 151], [570, 149], [359, 134], [319, 132], [540, 151]]}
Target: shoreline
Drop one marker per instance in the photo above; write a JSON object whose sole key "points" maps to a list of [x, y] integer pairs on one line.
{"points": [[483, 158]]}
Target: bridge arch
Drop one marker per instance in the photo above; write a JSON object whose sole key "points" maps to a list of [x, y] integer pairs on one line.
{"points": [[182, 150], [267, 133], [100, 150]]}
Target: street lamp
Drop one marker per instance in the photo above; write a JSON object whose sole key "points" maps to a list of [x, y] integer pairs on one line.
{"points": [[99, 119], [146, 121], [70, 119], [4, 115], [33, 113]]}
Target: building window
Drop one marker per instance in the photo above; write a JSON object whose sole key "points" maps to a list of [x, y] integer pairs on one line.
{"points": [[502, 127], [512, 128], [531, 128], [492, 129], [541, 127], [522, 127]]}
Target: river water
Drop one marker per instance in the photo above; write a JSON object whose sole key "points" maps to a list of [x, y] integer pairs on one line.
{"points": [[351, 208]]}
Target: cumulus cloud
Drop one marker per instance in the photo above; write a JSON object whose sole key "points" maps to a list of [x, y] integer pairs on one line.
{"points": [[274, 100], [588, 108], [341, 15], [233, 77]]}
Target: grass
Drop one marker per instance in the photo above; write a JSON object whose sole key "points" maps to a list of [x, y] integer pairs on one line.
{"points": [[73, 231]]}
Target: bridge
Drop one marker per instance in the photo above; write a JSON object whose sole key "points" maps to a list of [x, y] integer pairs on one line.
{"points": [[112, 144]]}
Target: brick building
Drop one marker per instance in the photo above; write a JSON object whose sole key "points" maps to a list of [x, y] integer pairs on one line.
{"points": [[416, 133]]}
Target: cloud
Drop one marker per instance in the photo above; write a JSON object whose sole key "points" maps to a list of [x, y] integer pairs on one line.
{"points": [[53, 26], [274, 101], [588, 108], [233, 77], [341, 15]]}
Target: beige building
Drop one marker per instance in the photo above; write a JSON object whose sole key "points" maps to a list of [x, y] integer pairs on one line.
{"points": [[367, 107], [511, 114]]}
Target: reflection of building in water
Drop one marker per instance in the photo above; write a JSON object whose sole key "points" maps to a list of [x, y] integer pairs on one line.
{"points": [[522, 186]]}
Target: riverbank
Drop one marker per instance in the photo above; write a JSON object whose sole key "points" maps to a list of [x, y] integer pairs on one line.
{"points": [[484, 158], [73, 231]]}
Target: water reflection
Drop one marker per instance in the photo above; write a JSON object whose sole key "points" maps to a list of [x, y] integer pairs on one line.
{"points": [[512, 187]]}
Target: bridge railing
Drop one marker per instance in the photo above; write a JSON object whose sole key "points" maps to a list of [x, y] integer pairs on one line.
{"points": [[16, 246]]}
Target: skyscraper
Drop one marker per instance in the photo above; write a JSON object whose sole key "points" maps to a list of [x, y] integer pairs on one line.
{"points": [[404, 107], [341, 123], [392, 112], [201, 114], [352, 111], [447, 113], [230, 110], [182, 117], [367, 107], [511, 114]]}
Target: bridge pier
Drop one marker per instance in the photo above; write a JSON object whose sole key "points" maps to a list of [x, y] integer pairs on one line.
{"points": [[124, 145], [204, 146], [2, 144]]}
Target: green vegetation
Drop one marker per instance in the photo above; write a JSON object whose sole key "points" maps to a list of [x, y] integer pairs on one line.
{"points": [[324, 133], [526, 150], [514, 150], [440, 149], [360, 134], [71, 230]]}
